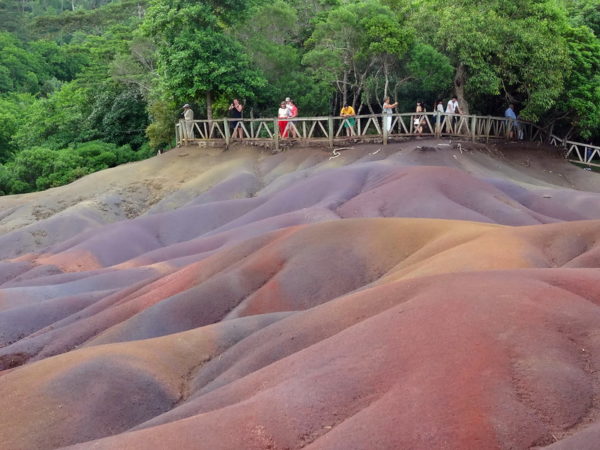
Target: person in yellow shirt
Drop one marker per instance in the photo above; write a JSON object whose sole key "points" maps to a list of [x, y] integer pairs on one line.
{"points": [[348, 114]]}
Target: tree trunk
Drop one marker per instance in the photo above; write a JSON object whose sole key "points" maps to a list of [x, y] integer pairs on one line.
{"points": [[459, 88], [357, 99], [387, 80], [370, 108], [209, 112], [345, 89]]}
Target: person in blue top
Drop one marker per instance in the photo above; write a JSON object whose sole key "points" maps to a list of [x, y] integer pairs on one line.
{"points": [[512, 120]]}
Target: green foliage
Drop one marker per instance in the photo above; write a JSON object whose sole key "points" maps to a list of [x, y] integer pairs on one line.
{"points": [[430, 69], [56, 121], [269, 34], [7, 180], [581, 100], [197, 59], [40, 168], [161, 131], [12, 109], [26, 67], [355, 41], [20, 69], [137, 67], [11, 16], [508, 47], [584, 13], [64, 24], [88, 84], [119, 116]]}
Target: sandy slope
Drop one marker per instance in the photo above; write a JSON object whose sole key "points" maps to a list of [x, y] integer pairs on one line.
{"points": [[422, 295]]}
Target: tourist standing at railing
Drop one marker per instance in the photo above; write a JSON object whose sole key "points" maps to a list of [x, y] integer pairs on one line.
{"points": [[292, 113], [419, 120], [512, 119], [188, 116], [235, 112], [387, 111], [283, 114], [348, 114], [439, 109], [452, 108], [519, 128]]}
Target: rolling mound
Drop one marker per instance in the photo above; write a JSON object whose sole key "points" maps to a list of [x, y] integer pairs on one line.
{"points": [[427, 294]]}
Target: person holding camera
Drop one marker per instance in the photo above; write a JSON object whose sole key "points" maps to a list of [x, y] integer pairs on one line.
{"points": [[235, 112]]}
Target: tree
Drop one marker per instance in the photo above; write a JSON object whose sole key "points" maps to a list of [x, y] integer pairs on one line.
{"points": [[270, 35], [118, 115], [57, 121], [355, 41], [20, 69], [198, 59], [580, 104], [508, 47], [584, 13], [12, 109]]}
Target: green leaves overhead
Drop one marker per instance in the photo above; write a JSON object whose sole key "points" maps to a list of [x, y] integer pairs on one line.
{"points": [[512, 48], [197, 58], [104, 70]]}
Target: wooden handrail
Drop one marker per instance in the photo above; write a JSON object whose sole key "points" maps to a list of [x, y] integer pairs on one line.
{"points": [[368, 127]]}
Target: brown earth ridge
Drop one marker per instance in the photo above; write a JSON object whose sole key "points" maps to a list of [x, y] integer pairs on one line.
{"points": [[427, 294]]}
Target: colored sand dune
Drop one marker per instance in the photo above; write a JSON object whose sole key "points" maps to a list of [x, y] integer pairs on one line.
{"points": [[416, 296]]}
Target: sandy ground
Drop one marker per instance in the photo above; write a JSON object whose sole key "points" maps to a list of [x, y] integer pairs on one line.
{"points": [[426, 294]]}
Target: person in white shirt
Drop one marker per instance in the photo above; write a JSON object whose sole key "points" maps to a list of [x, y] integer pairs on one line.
{"points": [[452, 108], [283, 115], [188, 116], [292, 112]]}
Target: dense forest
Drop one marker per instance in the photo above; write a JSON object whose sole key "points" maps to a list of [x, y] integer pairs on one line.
{"points": [[89, 84]]}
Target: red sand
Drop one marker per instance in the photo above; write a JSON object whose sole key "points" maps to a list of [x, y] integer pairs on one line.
{"points": [[333, 308]]}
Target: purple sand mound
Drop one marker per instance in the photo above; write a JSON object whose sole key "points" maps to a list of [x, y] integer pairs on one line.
{"points": [[382, 299]]}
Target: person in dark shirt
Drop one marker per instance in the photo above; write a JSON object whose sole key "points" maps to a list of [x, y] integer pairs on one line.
{"points": [[235, 112]]}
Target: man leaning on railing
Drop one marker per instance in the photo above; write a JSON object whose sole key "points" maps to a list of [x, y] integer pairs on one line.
{"points": [[512, 120]]}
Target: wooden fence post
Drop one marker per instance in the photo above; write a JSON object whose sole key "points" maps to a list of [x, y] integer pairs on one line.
{"points": [[276, 134], [330, 126], [473, 127], [304, 134]]}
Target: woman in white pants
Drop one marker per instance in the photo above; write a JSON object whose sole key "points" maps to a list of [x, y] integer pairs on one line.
{"points": [[387, 113]]}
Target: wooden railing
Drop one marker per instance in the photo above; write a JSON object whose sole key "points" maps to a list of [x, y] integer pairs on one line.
{"points": [[331, 130], [577, 152]]}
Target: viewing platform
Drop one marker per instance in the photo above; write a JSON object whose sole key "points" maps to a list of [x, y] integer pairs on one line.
{"points": [[330, 131]]}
